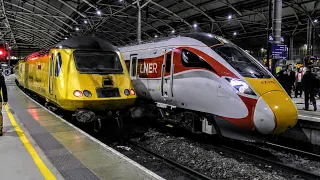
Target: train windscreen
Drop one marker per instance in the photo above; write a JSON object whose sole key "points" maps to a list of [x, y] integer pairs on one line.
{"points": [[241, 61], [97, 62]]}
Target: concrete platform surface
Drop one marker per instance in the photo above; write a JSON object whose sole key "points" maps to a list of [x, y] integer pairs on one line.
{"points": [[66, 150], [16, 162], [307, 115]]}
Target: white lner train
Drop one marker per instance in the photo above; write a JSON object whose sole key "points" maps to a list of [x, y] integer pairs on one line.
{"points": [[207, 84]]}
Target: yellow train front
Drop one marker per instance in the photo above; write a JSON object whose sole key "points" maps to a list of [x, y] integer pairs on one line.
{"points": [[84, 75]]}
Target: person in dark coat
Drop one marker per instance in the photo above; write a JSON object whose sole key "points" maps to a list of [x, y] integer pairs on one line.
{"points": [[5, 99], [309, 84], [286, 78]]}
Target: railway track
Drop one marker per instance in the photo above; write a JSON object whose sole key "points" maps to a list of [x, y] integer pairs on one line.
{"points": [[310, 155], [183, 168], [269, 161]]}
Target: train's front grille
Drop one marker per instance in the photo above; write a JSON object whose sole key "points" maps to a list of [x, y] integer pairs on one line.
{"points": [[108, 92]]}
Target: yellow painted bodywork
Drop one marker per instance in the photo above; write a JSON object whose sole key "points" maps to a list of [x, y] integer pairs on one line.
{"points": [[275, 96], [34, 74]]}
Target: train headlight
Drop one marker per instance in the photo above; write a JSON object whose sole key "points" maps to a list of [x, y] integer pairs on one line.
{"points": [[127, 92], [240, 86], [77, 93], [87, 93]]}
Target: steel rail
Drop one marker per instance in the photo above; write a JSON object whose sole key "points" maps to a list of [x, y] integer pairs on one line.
{"points": [[295, 151], [288, 168], [187, 170]]}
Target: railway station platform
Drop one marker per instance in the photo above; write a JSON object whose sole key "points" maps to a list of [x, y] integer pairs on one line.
{"points": [[37, 144], [304, 115]]}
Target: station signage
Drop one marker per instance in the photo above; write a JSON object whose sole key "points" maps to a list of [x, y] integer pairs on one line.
{"points": [[279, 51], [271, 38]]}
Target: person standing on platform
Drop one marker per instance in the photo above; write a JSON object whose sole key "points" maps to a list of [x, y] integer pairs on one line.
{"points": [[291, 78], [298, 90], [5, 99], [308, 84], [286, 78]]}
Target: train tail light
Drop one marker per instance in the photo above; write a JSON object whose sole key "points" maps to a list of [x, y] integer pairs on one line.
{"points": [[1, 52], [132, 92]]}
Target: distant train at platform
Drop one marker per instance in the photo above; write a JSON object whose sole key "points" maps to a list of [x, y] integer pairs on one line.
{"points": [[207, 84], [83, 75]]}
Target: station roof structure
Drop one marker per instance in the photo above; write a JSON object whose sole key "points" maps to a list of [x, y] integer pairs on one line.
{"points": [[29, 25]]}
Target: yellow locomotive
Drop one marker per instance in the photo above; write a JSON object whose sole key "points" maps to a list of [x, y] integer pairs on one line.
{"points": [[84, 75]]}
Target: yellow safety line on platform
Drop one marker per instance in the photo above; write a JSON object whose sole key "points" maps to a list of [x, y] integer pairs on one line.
{"points": [[42, 167]]}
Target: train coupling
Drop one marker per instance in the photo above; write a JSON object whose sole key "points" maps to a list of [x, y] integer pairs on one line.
{"points": [[84, 116], [136, 112]]}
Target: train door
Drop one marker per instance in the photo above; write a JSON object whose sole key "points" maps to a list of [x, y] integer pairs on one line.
{"points": [[26, 75], [57, 70], [51, 75], [133, 66], [166, 86]]}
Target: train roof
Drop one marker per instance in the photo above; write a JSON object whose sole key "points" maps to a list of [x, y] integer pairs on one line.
{"points": [[206, 38], [85, 42], [78, 42]]}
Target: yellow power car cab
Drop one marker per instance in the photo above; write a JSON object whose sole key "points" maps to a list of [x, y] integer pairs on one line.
{"points": [[86, 75]]}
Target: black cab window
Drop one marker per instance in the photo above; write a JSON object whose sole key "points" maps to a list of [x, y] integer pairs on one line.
{"points": [[241, 61], [58, 64], [190, 59]]}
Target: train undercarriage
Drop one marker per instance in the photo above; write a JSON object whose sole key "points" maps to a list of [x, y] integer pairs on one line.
{"points": [[195, 122], [85, 117]]}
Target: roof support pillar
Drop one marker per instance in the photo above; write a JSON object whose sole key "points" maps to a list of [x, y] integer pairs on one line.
{"points": [[277, 20], [309, 33], [291, 48], [139, 22], [268, 32]]}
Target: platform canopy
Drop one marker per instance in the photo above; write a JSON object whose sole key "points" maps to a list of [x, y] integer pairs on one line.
{"points": [[29, 25]]}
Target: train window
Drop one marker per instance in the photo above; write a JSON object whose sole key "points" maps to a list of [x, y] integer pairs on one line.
{"points": [[58, 64], [168, 63], [51, 65], [241, 61], [102, 62], [133, 66], [189, 59]]}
